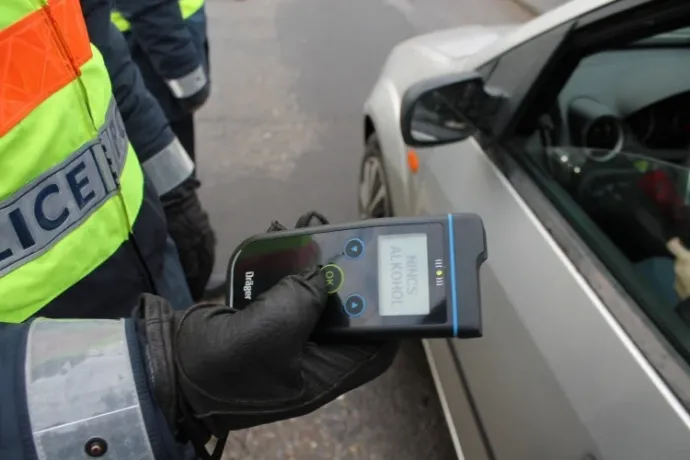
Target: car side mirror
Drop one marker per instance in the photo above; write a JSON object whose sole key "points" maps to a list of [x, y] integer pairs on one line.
{"points": [[446, 109]]}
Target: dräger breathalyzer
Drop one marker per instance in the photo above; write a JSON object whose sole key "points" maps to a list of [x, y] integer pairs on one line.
{"points": [[397, 277]]}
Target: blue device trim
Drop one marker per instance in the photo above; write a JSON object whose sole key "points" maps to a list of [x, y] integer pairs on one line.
{"points": [[454, 295]]}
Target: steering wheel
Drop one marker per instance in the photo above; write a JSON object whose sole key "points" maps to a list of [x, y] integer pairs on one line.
{"points": [[603, 182], [615, 202]]}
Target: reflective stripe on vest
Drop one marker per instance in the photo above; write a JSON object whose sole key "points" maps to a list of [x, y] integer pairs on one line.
{"points": [[63, 152], [187, 8], [80, 385], [63, 197]]}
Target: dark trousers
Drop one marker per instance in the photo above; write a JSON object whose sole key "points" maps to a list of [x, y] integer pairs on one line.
{"points": [[184, 130], [184, 127]]}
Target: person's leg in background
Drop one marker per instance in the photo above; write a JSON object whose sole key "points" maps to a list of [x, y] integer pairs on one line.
{"points": [[184, 130], [173, 284], [215, 287], [188, 222]]}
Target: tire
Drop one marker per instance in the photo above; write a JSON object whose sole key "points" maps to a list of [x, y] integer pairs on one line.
{"points": [[374, 199]]}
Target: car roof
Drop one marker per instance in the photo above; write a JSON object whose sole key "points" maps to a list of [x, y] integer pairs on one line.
{"points": [[537, 26]]}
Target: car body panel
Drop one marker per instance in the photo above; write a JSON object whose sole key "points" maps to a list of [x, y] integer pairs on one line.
{"points": [[411, 62], [557, 328], [467, 435]]}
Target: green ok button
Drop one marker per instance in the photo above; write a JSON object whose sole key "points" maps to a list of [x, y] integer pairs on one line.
{"points": [[334, 277]]}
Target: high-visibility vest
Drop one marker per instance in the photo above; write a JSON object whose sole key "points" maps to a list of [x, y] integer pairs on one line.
{"points": [[71, 186], [187, 8]]}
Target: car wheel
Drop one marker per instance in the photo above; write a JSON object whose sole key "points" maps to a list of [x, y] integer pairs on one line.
{"points": [[374, 197]]}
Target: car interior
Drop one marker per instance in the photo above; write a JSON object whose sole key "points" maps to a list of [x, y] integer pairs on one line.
{"points": [[617, 141]]}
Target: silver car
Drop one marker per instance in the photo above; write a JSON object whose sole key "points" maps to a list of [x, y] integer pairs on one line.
{"points": [[570, 136]]}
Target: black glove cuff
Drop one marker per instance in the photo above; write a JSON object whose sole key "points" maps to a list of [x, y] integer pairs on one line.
{"points": [[159, 322], [180, 195], [199, 436], [156, 319]]}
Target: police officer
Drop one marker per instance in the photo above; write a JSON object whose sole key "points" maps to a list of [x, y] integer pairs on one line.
{"points": [[82, 233], [167, 40], [138, 387]]}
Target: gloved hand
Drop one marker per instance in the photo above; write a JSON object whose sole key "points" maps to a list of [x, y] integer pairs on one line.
{"points": [[189, 227], [216, 369]]}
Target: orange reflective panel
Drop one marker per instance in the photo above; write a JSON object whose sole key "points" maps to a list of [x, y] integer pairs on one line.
{"points": [[39, 55]]}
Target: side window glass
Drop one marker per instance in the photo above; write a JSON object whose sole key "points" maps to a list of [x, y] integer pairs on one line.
{"points": [[515, 71], [613, 153]]}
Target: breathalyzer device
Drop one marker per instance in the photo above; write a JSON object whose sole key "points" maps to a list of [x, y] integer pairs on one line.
{"points": [[386, 278]]}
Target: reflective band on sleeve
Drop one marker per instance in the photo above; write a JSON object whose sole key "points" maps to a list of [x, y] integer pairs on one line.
{"points": [[80, 385], [42, 212], [188, 85], [169, 168]]}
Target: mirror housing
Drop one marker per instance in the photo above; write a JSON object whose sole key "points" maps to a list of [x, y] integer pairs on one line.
{"points": [[447, 109]]}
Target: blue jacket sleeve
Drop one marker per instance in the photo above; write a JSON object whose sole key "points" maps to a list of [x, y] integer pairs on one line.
{"points": [[159, 29], [162, 157], [146, 124], [15, 430], [88, 374]]}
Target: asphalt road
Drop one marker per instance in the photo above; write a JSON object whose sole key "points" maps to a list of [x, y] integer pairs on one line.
{"points": [[283, 135]]}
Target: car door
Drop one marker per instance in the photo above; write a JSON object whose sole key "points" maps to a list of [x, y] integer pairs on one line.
{"points": [[576, 361], [505, 373]]}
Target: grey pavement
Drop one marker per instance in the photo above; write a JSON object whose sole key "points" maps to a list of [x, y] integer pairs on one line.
{"points": [[281, 135]]}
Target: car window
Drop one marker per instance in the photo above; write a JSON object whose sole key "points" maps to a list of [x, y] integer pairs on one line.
{"points": [[612, 150]]}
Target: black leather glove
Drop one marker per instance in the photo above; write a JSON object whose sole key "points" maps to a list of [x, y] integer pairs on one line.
{"points": [[215, 369], [189, 227]]}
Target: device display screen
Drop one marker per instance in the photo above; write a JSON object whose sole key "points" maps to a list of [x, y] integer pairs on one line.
{"points": [[403, 262]]}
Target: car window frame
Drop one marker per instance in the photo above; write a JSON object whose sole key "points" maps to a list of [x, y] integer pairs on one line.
{"points": [[579, 38]]}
